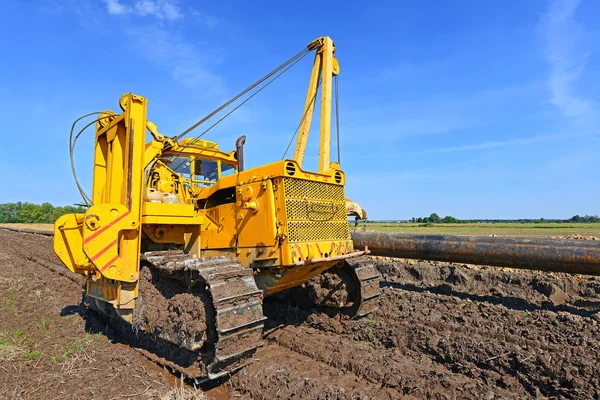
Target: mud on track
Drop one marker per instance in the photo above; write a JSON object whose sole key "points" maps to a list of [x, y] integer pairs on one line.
{"points": [[441, 331]]}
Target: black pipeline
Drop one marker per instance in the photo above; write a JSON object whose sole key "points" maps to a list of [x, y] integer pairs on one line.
{"points": [[554, 255]]}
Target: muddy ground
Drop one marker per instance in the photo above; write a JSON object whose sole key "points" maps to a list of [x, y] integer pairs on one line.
{"points": [[442, 331]]}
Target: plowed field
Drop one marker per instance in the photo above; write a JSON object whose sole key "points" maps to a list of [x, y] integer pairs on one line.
{"points": [[442, 331]]}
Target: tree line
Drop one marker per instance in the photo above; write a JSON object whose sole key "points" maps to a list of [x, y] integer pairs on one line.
{"points": [[585, 218], [46, 213], [436, 219], [29, 213]]}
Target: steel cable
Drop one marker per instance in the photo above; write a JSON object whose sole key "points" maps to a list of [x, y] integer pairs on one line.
{"points": [[283, 68], [72, 143], [301, 54], [84, 196], [239, 105]]}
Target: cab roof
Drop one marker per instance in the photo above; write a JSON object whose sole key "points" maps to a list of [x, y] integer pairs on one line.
{"points": [[199, 143]]}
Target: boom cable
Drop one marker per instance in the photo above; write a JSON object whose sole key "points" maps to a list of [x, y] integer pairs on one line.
{"points": [[296, 59], [280, 70], [72, 141], [84, 196], [301, 54]]}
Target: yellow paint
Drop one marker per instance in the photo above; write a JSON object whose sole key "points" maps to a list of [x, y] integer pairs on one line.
{"points": [[286, 223], [324, 68]]}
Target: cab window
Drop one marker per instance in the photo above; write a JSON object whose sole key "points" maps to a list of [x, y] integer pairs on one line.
{"points": [[181, 165], [227, 169], [206, 172]]}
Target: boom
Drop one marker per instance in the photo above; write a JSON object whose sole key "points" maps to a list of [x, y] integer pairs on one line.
{"points": [[325, 67]]}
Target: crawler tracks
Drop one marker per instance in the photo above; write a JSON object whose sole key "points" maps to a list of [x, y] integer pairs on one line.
{"points": [[351, 290], [233, 314], [232, 318], [367, 284]]}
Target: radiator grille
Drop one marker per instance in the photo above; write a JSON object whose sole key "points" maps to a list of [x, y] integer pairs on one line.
{"points": [[315, 211], [309, 231], [300, 188]]}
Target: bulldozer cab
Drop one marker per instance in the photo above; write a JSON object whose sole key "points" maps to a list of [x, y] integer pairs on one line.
{"points": [[198, 169]]}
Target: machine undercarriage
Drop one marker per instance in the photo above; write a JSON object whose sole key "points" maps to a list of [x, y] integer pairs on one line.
{"points": [[180, 243], [204, 317]]}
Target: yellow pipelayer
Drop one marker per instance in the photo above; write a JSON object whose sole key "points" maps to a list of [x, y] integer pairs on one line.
{"points": [[285, 223]]}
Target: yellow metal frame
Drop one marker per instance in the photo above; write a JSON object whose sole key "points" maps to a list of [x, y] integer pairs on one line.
{"points": [[286, 223], [324, 68]]}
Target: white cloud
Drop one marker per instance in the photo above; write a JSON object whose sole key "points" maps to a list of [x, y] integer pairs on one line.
{"points": [[188, 62], [208, 20], [508, 143], [394, 121], [114, 7], [494, 144], [161, 9], [567, 53]]}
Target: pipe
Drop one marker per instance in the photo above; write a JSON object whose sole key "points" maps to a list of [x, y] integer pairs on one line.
{"points": [[239, 150], [545, 254]]}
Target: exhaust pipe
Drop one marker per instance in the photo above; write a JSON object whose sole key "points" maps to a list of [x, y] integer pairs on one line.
{"points": [[239, 150]]}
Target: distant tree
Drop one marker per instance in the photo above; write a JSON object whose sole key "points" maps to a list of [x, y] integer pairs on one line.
{"points": [[575, 218], [449, 220], [44, 213], [434, 218], [419, 220], [590, 218]]}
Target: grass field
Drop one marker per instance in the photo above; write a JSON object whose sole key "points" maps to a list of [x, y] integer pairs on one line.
{"points": [[499, 229]]}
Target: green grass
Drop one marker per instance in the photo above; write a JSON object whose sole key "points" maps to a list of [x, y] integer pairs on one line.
{"points": [[78, 346], [31, 354], [43, 324], [16, 345], [499, 229], [11, 304]]}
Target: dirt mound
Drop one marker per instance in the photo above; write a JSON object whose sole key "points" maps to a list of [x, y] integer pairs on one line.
{"points": [[441, 331], [576, 236], [455, 331]]}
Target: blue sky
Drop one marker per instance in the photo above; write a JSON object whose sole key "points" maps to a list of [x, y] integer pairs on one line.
{"points": [[465, 108]]}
